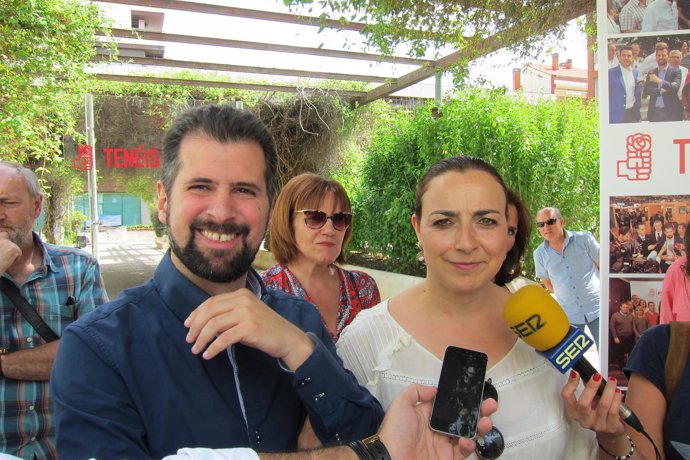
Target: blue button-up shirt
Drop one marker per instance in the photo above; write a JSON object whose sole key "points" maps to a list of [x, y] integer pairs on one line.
{"points": [[573, 273], [126, 384], [67, 286]]}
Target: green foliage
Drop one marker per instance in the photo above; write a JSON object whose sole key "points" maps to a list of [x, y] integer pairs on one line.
{"points": [[546, 151], [158, 227], [139, 227], [44, 46], [422, 27], [59, 185], [74, 221]]}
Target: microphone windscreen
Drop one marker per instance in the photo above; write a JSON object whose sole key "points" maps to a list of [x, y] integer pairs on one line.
{"points": [[536, 317]]}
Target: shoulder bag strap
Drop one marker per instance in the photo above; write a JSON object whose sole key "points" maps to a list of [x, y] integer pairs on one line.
{"points": [[677, 357], [27, 311]]}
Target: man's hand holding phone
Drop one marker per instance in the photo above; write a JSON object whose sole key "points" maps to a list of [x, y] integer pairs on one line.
{"points": [[406, 434], [461, 390]]}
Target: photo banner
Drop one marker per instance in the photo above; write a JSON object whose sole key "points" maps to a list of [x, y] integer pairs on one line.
{"points": [[643, 93]]}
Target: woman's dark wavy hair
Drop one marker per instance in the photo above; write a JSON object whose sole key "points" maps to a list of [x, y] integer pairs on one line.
{"points": [[512, 266], [460, 164]]}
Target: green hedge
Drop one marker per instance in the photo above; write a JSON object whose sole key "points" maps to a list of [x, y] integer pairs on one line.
{"points": [[548, 151]]}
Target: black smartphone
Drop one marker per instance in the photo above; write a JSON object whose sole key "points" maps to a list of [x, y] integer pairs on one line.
{"points": [[459, 395]]}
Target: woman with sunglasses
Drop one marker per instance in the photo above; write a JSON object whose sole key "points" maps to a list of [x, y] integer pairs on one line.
{"points": [[461, 226], [310, 228]]}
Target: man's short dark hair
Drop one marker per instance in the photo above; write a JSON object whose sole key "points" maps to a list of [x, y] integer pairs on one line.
{"points": [[224, 124], [660, 46], [625, 48]]}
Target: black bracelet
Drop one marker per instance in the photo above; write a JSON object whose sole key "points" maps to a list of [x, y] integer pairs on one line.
{"points": [[359, 449], [370, 448], [620, 457]]}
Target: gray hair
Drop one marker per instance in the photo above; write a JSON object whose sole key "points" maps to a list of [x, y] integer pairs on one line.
{"points": [[555, 212], [30, 179]]}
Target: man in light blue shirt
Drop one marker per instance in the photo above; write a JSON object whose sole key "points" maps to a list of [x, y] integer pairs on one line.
{"points": [[568, 264]]}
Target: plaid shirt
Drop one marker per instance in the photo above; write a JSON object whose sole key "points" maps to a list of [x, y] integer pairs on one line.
{"points": [[631, 15], [68, 285]]}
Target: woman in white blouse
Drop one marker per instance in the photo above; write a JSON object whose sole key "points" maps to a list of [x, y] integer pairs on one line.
{"points": [[460, 223]]}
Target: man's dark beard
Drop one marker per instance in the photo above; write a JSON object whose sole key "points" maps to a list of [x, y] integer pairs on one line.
{"points": [[217, 267]]}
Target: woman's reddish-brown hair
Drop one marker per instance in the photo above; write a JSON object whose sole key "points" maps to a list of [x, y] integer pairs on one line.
{"points": [[303, 192]]}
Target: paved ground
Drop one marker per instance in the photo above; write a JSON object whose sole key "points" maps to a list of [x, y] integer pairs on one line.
{"points": [[127, 262], [126, 265]]}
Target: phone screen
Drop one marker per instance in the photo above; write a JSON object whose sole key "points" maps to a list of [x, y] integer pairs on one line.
{"points": [[459, 395]]}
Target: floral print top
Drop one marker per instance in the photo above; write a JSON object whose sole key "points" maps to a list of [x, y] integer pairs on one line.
{"points": [[358, 291]]}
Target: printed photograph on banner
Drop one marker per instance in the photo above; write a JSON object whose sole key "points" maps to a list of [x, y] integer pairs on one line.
{"points": [[634, 305], [647, 233], [649, 78], [633, 16]]}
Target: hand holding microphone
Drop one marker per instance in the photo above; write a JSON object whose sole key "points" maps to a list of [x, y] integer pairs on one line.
{"points": [[540, 321]]}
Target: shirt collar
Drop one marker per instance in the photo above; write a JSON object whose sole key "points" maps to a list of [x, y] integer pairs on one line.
{"points": [[565, 242], [47, 263], [182, 296]]}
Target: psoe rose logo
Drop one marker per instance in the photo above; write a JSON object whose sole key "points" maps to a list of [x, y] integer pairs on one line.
{"points": [[84, 159], [637, 165]]}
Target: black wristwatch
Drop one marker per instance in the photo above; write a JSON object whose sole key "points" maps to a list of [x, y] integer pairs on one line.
{"points": [[370, 448]]}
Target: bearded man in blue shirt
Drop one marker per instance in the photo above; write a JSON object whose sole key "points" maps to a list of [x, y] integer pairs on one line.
{"points": [[202, 355]]}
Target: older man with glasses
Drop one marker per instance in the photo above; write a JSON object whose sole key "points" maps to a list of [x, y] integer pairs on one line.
{"points": [[568, 264]]}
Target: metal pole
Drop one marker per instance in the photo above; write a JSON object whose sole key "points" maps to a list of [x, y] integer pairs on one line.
{"points": [[93, 191], [438, 89]]}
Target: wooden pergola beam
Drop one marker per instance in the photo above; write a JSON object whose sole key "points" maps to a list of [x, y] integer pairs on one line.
{"points": [[160, 62], [220, 84], [207, 8], [479, 47], [241, 44]]}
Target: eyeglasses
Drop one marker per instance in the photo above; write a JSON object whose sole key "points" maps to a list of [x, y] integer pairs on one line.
{"points": [[547, 222], [491, 445], [317, 219]]}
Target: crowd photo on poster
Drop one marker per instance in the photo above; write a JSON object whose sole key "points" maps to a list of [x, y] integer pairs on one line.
{"points": [[649, 78]]}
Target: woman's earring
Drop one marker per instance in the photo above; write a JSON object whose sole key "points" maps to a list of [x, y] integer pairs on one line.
{"points": [[420, 254]]}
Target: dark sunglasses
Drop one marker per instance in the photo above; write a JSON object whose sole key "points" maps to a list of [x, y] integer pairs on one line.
{"points": [[317, 219], [491, 445], [547, 222]]}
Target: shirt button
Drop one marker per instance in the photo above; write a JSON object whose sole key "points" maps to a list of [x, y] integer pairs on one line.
{"points": [[337, 438], [257, 436], [33, 438], [318, 397], [31, 407], [303, 383], [29, 340]]}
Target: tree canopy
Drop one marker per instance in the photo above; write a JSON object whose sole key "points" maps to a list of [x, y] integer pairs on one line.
{"points": [[474, 26], [44, 46]]}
